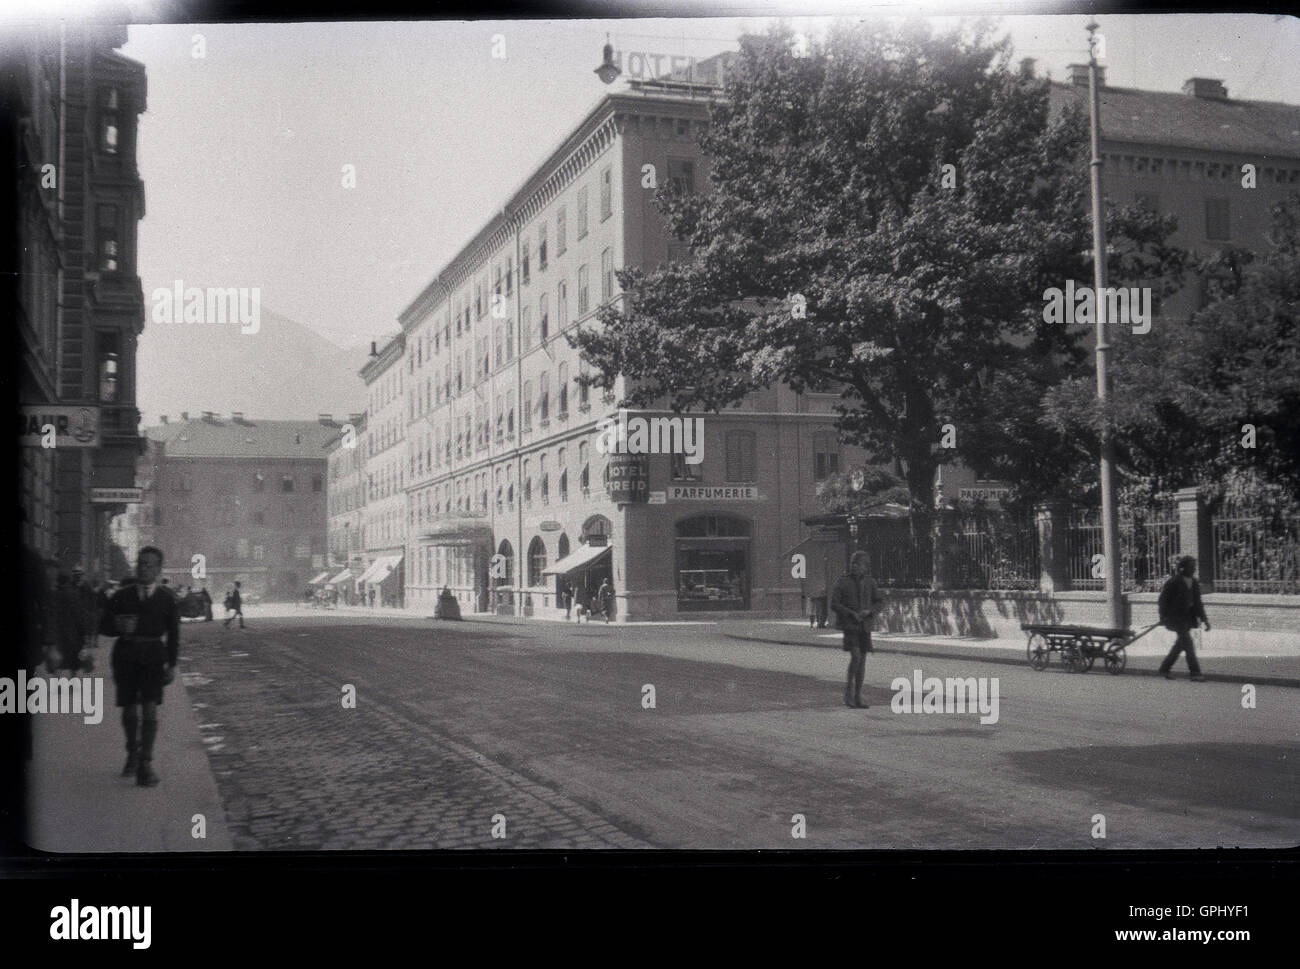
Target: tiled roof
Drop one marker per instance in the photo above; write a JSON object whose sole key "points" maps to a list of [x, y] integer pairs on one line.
{"points": [[1260, 128], [222, 437]]}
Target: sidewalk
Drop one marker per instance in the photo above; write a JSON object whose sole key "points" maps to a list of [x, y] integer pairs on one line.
{"points": [[1230, 656], [77, 802], [1226, 655]]}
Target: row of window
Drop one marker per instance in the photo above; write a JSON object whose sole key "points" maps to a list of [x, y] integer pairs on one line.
{"points": [[476, 363], [1218, 214], [182, 482]]}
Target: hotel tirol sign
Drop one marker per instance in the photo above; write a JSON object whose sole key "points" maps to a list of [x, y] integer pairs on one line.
{"points": [[715, 493], [72, 426]]}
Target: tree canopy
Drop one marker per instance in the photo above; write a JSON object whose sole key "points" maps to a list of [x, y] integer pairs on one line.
{"points": [[917, 196]]}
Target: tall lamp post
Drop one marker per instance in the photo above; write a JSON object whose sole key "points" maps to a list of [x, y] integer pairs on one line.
{"points": [[1109, 512]]}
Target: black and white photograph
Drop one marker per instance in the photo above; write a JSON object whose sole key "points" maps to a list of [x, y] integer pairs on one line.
{"points": [[835, 430]]}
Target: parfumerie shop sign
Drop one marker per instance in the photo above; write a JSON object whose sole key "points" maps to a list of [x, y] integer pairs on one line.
{"points": [[629, 478], [713, 493]]}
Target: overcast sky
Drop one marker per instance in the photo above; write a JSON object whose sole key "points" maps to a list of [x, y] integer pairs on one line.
{"points": [[242, 151]]}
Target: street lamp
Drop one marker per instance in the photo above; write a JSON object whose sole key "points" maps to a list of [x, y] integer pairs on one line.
{"points": [[608, 70], [1109, 512]]}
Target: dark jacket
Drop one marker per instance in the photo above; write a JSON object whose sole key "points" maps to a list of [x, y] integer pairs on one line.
{"points": [[1181, 607], [849, 597], [159, 618]]}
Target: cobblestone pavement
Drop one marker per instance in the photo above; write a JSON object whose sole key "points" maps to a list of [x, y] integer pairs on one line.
{"points": [[748, 745], [298, 771]]}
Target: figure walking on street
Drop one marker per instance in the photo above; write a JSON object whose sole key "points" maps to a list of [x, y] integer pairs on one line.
{"points": [[146, 620], [236, 603], [1181, 610], [605, 599], [854, 602]]}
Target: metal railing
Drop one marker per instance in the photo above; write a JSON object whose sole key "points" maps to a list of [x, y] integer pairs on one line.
{"points": [[1149, 545], [998, 552], [1255, 554]]}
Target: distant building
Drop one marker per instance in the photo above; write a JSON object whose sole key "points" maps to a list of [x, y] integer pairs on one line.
{"points": [[345, 489], [246, 495], [384, 517]]}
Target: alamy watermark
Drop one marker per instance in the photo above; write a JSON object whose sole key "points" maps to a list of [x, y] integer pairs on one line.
{"points": [[1080, 305], [930, 694], [652, 435], [81, 695], [215, 304]]}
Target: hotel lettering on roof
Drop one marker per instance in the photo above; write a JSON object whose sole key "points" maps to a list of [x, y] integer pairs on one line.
{"points": [[508, 500]]}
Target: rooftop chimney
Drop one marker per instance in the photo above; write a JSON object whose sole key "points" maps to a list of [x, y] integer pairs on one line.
{"points": [[374, 348], [1079, 75], [163, 417], [1205, 87], [185, 415], [1027, 66]]}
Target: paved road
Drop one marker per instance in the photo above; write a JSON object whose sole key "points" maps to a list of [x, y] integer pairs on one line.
{"points": [[544, 724]]}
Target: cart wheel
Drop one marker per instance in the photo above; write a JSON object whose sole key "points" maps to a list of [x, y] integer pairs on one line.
{"points": [[1039, 654], [1087, 656], [1115, 658]]}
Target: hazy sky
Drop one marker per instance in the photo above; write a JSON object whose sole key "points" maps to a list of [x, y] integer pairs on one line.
{"points": [[242, 150]]}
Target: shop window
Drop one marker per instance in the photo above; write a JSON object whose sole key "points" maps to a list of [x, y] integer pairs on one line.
{"points": [[713, 563]]}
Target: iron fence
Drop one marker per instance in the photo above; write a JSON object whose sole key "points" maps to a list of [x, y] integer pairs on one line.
{"points": [[998, 552], [1149, 544], [899, 558], [1255, 553]]}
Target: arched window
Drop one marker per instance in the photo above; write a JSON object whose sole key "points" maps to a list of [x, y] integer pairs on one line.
{"points": [[544, 398], [562, 549], [562, 393], [536, 561], [528, 481], [543, 319], [527, 419], [596, 530]]}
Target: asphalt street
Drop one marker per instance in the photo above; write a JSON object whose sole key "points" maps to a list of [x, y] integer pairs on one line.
{"points": [[540, 733]]}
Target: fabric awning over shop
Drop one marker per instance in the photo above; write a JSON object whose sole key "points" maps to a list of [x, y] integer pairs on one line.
{"points": [[344, 576], [390, 566], [381, 564], [457, 532], [320, 579], [584, 556]]}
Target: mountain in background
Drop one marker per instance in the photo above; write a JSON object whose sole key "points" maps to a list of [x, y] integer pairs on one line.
{"points": [[285, 371]]}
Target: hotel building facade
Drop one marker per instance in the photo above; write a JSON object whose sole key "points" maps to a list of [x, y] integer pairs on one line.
{"points": [[507, 498]]}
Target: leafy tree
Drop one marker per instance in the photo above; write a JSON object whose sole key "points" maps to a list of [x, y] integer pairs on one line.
{"points": [[923, 284], [1185, 391]]}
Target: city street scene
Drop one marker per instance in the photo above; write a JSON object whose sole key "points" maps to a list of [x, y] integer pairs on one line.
{"points": [[719, 433]]}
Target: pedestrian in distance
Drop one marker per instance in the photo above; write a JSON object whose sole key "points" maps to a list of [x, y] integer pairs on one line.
{"points": [[854, 600], [235, 603], [146, 621], [69, 623], [1181, 610], [605, 599]]}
